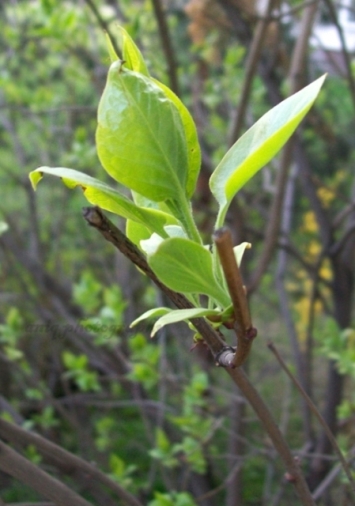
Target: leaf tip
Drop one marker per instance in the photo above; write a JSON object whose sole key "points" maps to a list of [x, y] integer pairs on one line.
{"points": [[111, 50], [35, 177]]}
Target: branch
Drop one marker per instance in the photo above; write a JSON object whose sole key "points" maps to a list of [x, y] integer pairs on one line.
{"points": [[95, 217], [243, 326], [256, 48], [319, 417], [294, 474], [16, 465], [296, 74], [347, 58], [103, 24], [62, 459], [166, 45]]}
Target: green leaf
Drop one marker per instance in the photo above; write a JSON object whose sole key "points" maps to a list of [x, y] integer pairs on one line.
{"points": [[152, 313], [111, 50], [136, 232], [185, 266], [181, 315], [140, 136], [193, 146], [259, 145], [102, 195], [130, 53]]}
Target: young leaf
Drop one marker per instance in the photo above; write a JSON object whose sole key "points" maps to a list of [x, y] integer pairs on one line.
{"points": [[137, 232], [152, 313], [111, 50], [140, 136], [185, 266], [182, 315], [130, 53], [259, 144], [193, 146], [102, 195]]}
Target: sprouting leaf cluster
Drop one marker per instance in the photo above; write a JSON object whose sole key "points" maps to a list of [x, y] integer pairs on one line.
{"points": [[147, 141]]}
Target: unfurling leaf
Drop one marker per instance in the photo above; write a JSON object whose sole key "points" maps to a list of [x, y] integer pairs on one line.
{"points": [[102, 195], [185, 266], [259, 144]]}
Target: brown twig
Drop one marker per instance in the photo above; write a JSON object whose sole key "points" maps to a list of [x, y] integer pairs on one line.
{"points": [[296, 77], [62, 459], [95, 217], [251, 64], [103, 24], [166, 45], [16, 465], [316, 412], [244, 330], [344, 50]]}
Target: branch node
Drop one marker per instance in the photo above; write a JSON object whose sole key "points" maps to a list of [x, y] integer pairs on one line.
{"points": [[225, 358]]}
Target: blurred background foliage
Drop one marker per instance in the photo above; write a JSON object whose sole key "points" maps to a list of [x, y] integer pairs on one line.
{"points": [[158, 419]]}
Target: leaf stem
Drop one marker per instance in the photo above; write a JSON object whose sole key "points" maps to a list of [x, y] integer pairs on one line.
{"points": [[181, 208]]}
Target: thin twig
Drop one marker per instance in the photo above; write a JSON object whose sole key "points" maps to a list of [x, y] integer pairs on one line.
{"points": [[244, 330], [167, 45], [294, 474], [103, 24], [328, 480], [296, 77], [316, 412], [250, 68], [62, 459], [26, 472], [344, 50]]}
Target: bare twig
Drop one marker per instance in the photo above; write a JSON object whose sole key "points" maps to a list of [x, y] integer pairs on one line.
{"points": [[20, 468], [62, 459], [166, 45], [346, 55], [103, 24], [318, 415], [296, 76], [250, 68], [328, 480], [244, 330], [287, 212], [294, 474]]}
